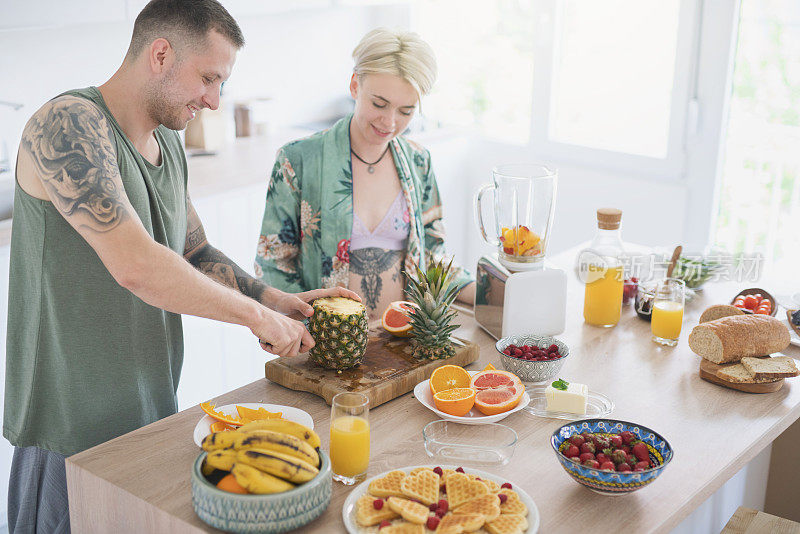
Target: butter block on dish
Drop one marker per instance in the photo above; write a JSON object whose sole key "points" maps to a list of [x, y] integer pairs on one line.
{"points": [[567, 397]]}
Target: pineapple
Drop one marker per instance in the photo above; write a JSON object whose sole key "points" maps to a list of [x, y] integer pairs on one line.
{"points": [[339, 328], [433, 291]]}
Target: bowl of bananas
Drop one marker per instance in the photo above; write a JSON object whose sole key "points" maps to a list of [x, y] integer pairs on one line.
{"points": [[262, 478]]}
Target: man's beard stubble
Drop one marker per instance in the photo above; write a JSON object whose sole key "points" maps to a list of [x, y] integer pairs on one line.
{"points": [[162, 107]]}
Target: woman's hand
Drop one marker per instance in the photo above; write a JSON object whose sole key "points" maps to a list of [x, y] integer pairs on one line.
{"points": [[297, 304]]}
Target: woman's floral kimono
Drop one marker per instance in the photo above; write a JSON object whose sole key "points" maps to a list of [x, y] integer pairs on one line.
{"points": [[308, 218]]}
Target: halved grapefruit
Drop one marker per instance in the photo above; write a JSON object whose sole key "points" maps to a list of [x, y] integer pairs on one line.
{"points": [[497, 391], [395, 319]]}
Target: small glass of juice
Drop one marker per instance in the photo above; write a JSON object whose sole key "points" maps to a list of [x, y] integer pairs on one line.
{"points": [[349, 448], [667, 315]]}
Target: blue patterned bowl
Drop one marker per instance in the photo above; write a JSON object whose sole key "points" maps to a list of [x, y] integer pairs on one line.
{"points": [[529, 371], [261, 514], [608, 482]]}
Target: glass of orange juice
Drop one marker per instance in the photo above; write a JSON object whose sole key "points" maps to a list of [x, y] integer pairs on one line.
{"points": [[349, 449], [667, 315]]}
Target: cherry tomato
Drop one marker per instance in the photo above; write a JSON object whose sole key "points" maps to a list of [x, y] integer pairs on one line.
{"points": [[765, 302], [750, 302], [763, 311]]}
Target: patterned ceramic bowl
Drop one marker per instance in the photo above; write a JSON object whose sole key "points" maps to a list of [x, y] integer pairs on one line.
{"points": [[529, 371], [261, 514], [608, 482]]}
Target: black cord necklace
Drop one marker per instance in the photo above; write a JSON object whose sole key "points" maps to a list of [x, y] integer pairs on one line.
{"points": [[370, 166]]}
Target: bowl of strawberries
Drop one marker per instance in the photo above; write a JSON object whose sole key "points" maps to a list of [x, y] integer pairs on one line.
{"points": [[532, 358], [611, 457]]}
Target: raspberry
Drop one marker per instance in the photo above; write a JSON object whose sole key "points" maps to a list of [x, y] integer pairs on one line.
{"points": [[384, 523], [553, 348], [506, 485], [433, 522], [503, 497], [459, 469], [443, 504], [444, 488], [377, 504], [440, 513], [432, 507], [438, 470]]}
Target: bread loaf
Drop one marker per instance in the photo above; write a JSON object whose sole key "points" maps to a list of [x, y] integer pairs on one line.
{"points": [[732, 338], [719, 311]]}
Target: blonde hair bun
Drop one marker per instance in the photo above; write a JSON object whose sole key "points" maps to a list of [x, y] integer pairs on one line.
{"points": [[398, 52]]}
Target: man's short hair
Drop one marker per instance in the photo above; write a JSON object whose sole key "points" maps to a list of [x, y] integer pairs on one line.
{"points": [[182, 22]]}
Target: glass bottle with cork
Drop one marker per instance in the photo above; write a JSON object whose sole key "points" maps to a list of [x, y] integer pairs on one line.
{"points": [[604, 270]]}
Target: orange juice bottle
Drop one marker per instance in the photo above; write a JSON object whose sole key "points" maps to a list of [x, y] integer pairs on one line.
{"points": [[349, 446], [604, 272]]}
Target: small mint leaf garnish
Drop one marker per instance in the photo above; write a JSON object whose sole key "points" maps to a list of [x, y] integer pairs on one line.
{"points": [[561, 384]]}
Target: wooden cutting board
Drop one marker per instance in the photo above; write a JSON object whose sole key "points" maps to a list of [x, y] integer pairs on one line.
{"points": [[708, 371], [388, 370]]}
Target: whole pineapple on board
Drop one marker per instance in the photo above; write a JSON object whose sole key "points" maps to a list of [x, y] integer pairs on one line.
{"points": [[339, 328], [433, 290]]}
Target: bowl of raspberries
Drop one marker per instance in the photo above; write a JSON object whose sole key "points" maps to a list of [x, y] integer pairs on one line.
{"points": [[532, 358], [609, 456]]}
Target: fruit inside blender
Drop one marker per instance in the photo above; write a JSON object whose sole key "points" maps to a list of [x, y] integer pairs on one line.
{"points": [[520, 241]]}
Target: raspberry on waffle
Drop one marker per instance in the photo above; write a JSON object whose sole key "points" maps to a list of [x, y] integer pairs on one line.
{"points": [[507, 524], [486, 505], [388, 485], [461, 489], [513, 504], [424, 486], [409, 510], [366, 513]]}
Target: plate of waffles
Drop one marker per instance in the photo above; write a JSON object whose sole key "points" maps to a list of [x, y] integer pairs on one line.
{"points": [[422, 392], [441, 499]]}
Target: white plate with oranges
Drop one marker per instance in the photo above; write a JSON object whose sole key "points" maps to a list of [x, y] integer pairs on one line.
{"points": [[472, 397]]}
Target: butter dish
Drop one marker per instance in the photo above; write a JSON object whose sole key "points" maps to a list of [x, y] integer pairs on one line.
{"points": [[597, 405]]}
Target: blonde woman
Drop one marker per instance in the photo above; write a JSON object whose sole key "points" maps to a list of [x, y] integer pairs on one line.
{"points": [[357, 204]]}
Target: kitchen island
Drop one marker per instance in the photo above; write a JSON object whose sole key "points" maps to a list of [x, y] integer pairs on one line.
{"points": [[140, 482]]}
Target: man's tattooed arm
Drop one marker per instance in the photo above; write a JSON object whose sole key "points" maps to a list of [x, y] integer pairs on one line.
{"points": [[217, 265], [68, 144]]}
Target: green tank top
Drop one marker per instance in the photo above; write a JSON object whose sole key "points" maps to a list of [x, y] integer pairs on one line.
{"points": [[87, 360]]}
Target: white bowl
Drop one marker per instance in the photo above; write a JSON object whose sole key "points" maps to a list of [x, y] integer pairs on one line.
{"points": [[529, 371]]}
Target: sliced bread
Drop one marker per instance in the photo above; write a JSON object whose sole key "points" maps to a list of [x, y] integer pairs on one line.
{"points": [[775, 367], [718, 311], [732, 338], [738, 373]]}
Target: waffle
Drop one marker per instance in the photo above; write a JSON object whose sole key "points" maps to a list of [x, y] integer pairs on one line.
{"points": [[367, 515], [507, 524], [403, 528], [409, 510], [418, 470], [461, 489], [493, 486], [513, 504], [388, 485], [445, 473], [486, 505], [456, 524], [424, 487]]}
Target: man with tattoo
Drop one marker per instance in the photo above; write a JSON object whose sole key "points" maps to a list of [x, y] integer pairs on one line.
{"points": [[107, 252]]}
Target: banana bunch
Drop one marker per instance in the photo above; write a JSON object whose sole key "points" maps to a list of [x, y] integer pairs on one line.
{"points": [[265, 456]]}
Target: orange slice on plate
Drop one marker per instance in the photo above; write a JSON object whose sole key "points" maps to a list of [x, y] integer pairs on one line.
{"points": [[219, 426], [396, 319], [455, 401], [448, 377], [249, 414], [489, 367], [497, 391], [219, 416]]}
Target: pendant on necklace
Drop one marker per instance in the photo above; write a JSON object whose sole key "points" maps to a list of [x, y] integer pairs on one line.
{"points": [[370, 169]]}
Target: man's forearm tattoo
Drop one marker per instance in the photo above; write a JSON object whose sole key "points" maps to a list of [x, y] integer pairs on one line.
{"points": [[70, 145], [221, 268]]}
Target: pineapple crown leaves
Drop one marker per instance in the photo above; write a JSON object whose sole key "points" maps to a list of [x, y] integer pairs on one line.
{"points": [[433, 290]]}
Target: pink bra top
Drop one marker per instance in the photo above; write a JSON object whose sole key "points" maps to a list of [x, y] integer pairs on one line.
{"points": [[390, 234]]}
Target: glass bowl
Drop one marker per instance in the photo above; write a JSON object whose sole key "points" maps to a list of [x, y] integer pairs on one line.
{"points": [[488, 444]]}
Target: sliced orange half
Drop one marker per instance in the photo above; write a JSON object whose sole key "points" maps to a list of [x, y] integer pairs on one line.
{"points": [[456, 401], [448, 377], [396, 319], [219, 416]]}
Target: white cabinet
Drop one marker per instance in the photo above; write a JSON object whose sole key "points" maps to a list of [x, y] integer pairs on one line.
{"points": [[15, 14], [219, 357]]}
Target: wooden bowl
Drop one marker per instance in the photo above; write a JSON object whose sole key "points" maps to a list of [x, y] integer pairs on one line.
{"points": [[764, 293], [795, 327]]}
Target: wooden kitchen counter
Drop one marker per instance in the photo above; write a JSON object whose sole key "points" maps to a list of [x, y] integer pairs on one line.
{"points": [[140, 482]]}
